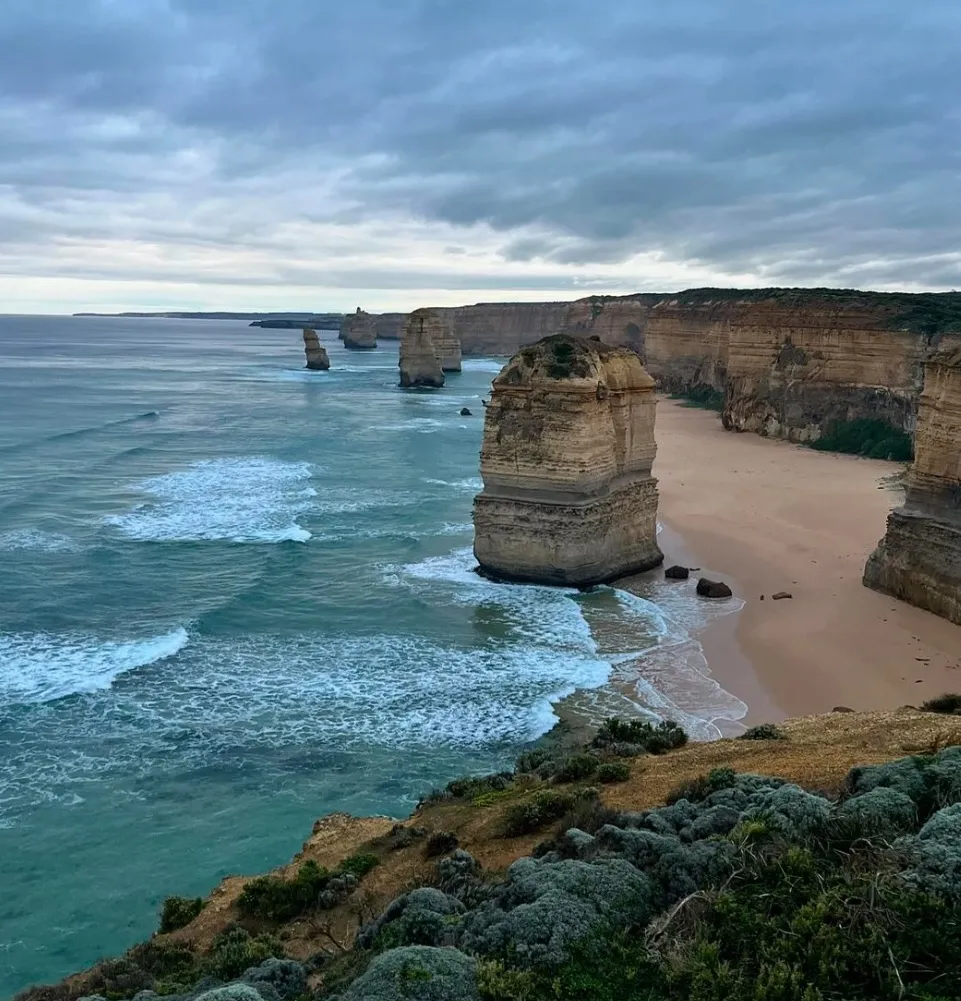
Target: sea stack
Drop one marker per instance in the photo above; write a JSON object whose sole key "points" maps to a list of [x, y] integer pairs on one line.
{"points": [[317, 359], [919, 558], [358, 331], [566, 460], [446, 344], [420, 362]]}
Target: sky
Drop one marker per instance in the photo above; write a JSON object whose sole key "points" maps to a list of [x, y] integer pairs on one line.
{"points": [[307, 154]]}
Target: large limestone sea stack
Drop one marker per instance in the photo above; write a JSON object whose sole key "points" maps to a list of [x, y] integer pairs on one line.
{"points": [[566, 460], [919, 558], [358, 331], [316, 353], [424, 347]]}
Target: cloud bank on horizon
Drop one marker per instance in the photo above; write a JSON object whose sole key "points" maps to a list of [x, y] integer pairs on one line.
{"points": [[392, 153]]}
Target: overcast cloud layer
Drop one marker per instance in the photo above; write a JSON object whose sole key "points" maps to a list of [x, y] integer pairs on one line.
{"points": [[305, 154]]}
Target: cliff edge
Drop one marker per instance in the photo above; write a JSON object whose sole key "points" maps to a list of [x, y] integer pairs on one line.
{"points": [[919, 558], [566, 462]]}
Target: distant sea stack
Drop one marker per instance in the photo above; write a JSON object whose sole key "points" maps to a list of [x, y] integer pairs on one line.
{"points": [[358, 331], [566, 460], [420, 359], [919, 558], [317, 359]]}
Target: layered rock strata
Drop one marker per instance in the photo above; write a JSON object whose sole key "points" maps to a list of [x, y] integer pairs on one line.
{"points": [[420, 360], [316, 353], [566, 460], [358, 331], [919, 558], [439, 323]]}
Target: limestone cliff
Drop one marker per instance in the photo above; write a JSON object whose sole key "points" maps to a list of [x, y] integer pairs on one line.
{"points": [[500, 328], [919, 558], [358, 331], [440, 328], [317, 359], [566, 461], [389, 326], [420, 364]]}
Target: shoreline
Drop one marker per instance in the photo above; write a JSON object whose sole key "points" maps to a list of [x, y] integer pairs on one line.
{"points": [[767, 515]]}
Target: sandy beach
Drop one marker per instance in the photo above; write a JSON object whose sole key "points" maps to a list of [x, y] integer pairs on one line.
{"points": [[770, 516]]}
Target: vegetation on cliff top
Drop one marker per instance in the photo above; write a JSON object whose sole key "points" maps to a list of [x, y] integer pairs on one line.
{"points": [[743, 887]]}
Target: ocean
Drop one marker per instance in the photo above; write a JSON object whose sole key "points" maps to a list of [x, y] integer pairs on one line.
{"points": [[236, 595]]}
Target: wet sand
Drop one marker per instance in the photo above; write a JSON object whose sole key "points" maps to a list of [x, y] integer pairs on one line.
{"points": [[769, 516]]}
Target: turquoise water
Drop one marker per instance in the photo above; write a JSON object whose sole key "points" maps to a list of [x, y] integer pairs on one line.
{"points": [[235, 596]]}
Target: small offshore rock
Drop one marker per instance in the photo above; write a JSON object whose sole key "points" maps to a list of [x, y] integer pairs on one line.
{"points": [[713, 588], [464, 412], [677, 573], [781, 595]]}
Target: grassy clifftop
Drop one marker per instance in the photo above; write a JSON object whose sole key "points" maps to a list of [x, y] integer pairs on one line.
{"points": [[784, 867]]}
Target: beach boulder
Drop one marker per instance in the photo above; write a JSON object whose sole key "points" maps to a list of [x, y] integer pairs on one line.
{"points": [[677, 573], [713, 588]]}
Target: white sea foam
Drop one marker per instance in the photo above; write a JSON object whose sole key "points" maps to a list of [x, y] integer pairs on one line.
{"points": [[37, 540], [40, 667], [492, 365], [243, 499], [424, 425], [470, 485]]}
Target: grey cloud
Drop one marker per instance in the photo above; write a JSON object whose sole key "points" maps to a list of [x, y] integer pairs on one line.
{"points": [[804, 142]]}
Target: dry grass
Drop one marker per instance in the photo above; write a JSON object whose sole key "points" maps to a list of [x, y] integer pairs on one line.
{"points": [[818, 753]]}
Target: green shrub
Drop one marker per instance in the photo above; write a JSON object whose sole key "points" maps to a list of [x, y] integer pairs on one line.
{"points": [[534, 813], [440, 843], [700, 788], [235, 950], [275, 899], [472, 786], [702, 396], [665, 736], [949, 703], [869, 437], [358, 865], [613, 771], [178, 912], [576, 768], [765, 731]]}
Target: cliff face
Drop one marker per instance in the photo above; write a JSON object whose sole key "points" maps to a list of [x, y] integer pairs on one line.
{"points": [[316, 354], [566, 461], [919, 558], [500, 328], [440, 328], [420, 363], [389, 326], [358, 331]]}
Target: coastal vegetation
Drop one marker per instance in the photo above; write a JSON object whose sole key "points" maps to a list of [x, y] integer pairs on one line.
{"points": [[735, 883], [871, 438], [702, 396]]}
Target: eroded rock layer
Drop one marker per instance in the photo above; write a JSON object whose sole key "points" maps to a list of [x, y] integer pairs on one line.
{"points": [[358, 331], [420, 362], [566, 462], [317, 359], [446, 344], [919, 558]]}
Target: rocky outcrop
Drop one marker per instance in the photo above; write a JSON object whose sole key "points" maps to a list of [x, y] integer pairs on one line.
{"points": [[317, 359], [919, 558], [566, 461], [358, 331], [439, 323], [420, 364]]}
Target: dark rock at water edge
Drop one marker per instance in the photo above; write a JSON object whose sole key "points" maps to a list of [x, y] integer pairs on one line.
{"points": [[713, 588], [677, 573], [464, 412]]}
